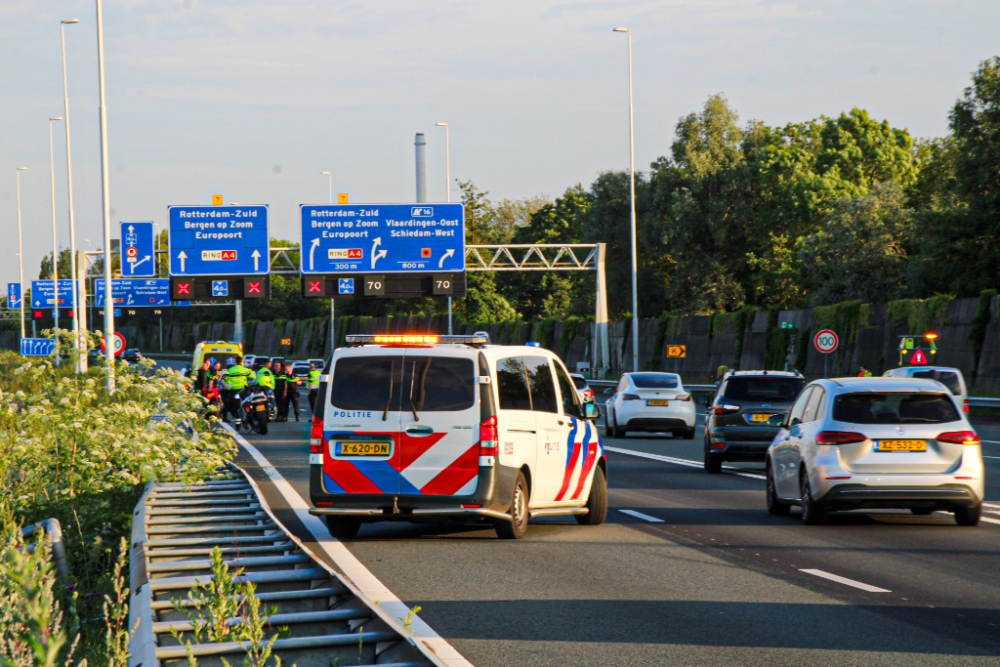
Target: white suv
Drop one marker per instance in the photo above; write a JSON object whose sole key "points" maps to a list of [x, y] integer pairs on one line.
{"points": [[869, 443], [427, 428], [949, 377], [652, 402]]}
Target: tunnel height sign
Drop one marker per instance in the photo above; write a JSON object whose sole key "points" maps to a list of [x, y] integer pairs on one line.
{"points": [[218, 241], [383, 238]]}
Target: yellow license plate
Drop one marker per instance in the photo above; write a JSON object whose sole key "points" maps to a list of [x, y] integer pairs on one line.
{"points": [[261, 407], [363, 448], [902, 445], [759, 418], [658, 403]]}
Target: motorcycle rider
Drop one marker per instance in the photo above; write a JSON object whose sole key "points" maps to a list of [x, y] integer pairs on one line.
{"points": [[235, 381]]}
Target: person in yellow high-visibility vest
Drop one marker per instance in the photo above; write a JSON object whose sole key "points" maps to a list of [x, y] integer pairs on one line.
{"points": [[233, 382], [314, 374]]}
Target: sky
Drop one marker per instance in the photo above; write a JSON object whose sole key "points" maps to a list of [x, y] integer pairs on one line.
{"points": [[253, 99]]}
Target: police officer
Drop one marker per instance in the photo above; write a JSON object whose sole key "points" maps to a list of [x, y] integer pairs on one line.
{"points": [[280, 391], [265, 378], [292, 383], [235, 381], [314, 374]]}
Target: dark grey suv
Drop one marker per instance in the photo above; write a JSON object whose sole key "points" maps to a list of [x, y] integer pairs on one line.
{"points": [[736, 427]]}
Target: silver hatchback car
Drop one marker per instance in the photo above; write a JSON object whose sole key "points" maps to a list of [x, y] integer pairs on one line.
{"points": [[872, 443]]}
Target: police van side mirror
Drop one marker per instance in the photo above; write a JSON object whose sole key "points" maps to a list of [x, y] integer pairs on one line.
{"points": [[591, 411]]}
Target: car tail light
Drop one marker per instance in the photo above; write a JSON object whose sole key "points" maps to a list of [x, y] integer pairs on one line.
{"points": [[725, 409], [316, 436], [631, 397], [489, 440], [838, 437], [960, 438], [588, 393], [682, 397], [965, 405]]}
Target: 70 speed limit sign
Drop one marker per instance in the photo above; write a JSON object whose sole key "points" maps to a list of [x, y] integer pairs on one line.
{"points": [[826, 341]]}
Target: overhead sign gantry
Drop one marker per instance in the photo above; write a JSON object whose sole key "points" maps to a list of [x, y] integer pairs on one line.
{"points": [[383, 250], [219, 252]]}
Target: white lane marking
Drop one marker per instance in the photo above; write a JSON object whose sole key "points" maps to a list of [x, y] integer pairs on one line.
{"points": [[991, 457], [846, 581], [640, 515], [360, 575], [996, 507], [680, 462], [992, 442], [987, 520]]}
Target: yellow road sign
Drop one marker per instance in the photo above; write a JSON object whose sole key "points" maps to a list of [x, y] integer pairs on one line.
{"points": [[677, 351], [216, 200], [342, 198], [286, 341]]}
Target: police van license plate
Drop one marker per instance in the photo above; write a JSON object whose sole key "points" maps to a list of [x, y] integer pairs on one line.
{"points": [[362, 448], [901, 445], [658, 403]]}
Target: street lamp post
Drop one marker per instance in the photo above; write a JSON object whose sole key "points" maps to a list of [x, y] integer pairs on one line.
{"points": [[20, 246], [329, 175], [109, 313], [333, 321], [55, 239], [80, 358], [447, 190], [631, 176]]}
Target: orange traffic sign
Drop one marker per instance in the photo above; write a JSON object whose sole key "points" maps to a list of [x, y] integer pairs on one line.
{"points": [[676, 351]]}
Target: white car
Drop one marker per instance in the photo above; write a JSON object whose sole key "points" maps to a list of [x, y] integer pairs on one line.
{"points": [[653, 402], [582, 388], [949, 377], [875, 443], [427, 428]]}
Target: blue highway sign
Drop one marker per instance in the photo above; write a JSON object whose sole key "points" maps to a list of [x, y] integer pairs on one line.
{"points": [[37, 347], [382, 238], [220, 288], [218, 241], [43, 293], [14, 295], [345, 286], [137, 247], [138, 293]]}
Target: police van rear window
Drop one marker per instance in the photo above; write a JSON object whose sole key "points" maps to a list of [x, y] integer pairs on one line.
{"points": [[424, 383]]}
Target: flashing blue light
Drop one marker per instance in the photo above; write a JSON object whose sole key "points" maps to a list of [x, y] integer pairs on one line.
{"points": [[533, 343]]}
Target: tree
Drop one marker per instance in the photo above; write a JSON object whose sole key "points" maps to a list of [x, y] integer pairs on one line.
{"points": [[860, 250]]}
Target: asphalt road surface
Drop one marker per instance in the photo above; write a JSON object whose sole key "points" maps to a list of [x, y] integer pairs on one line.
{"points": [[700, 574]]}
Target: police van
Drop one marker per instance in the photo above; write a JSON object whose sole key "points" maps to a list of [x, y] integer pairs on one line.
{"points": [[426, 428]]}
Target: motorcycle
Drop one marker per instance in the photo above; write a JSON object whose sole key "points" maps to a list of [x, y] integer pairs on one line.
{"points": [[255, 409]]}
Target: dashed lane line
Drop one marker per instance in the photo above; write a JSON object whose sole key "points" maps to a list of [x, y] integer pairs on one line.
{"points": [[681, 462], [362, 577], [640, 515], [844, 580]]}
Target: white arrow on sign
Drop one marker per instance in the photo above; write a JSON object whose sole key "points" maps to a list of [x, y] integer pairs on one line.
{"points": [[376, 256], [182, 256], [449, 253], [134, 263], [256, 260], [312, 252]]}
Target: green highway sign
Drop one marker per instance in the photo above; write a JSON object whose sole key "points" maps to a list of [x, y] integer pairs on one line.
{"points": [[787, 325]]}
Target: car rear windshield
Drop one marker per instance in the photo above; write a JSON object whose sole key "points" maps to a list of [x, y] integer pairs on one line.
{"points": [[776, 389], [425, 383], [580, 383], [947, 378], [655, 381], [901, 408]]}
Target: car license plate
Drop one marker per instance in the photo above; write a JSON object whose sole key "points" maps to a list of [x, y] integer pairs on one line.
{"points": [[659, 403], [260, 408], [362, 448], [901, 445], [759, 417]]}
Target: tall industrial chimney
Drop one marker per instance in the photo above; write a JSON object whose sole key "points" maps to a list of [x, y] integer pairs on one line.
{"points": [[420, 145]]}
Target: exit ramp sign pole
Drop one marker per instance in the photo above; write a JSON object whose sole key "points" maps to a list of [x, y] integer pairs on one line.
{"points": [[218, 241]]}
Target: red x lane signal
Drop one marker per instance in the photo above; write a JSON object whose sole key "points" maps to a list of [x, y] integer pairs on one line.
{"points": [[315, 285], [253, 287], [184, 288]]}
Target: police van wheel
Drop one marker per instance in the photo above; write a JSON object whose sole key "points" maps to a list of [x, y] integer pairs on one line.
{"points": [[597, 503], [516, 526], [342, 527]]}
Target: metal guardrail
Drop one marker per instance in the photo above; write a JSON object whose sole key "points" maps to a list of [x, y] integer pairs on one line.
{"points": [[983, 402], [174, 530]]}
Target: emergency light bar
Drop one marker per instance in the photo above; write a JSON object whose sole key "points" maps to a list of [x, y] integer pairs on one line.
{"points": [[414, 339]]}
